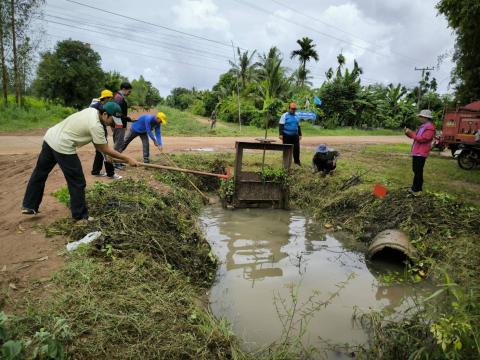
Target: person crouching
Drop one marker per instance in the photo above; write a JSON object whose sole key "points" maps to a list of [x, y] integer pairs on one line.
{"points": [[324, 160]]}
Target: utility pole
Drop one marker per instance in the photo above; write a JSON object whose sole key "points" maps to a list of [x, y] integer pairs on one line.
{"points": [[420, 84], [238, 90]]}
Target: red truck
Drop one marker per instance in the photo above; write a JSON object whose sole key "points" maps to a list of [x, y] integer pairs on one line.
{"points": [[459, 127]]}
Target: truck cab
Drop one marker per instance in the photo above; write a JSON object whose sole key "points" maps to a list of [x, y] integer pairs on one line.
{"points": [[460, 126]]}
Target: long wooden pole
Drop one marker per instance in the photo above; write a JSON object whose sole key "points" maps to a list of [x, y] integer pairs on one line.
{"points": [[163, 167]]}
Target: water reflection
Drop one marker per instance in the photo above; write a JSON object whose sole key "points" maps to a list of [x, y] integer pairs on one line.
{"points": [[267, 251]]}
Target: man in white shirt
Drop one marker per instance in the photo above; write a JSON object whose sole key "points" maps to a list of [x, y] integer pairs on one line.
{"points": [[59, 147]]}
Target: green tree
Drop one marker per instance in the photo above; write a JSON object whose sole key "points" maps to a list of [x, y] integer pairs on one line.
{"points": [[305, 53], [245, 69], [144, 94], [71, 74], [271, 71], [463, 17], [339, 95], [112, 80]]}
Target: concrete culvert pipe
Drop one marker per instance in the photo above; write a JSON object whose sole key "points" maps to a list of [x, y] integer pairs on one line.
{"points": [[389, 241]]}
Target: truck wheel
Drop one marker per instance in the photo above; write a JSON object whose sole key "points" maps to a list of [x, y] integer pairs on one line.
{"points": [[465, 160]]}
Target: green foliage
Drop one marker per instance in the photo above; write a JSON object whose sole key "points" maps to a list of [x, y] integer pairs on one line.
{"points": [[305, 53], [112, 81], [42, 345], [180, 98], [62, 195], [198, 108], [144, 94], [463, 18], [35, 113], [227, 190], [277, 175], [70, 74], [228, 111]]}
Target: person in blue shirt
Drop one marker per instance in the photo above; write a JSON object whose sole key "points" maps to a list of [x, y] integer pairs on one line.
{"points": [[290, 132], [144, 127]]}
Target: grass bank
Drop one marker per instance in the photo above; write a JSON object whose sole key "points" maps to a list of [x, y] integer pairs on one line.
{"points": [[442, 225], [183, 123], [34, 114], [139, 292]]}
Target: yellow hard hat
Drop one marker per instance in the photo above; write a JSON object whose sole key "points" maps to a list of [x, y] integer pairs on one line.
{"points": [[162, 117], [106, 94]]}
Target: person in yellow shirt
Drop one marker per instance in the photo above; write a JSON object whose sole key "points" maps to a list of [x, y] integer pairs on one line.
{"points": [[60, 147]]}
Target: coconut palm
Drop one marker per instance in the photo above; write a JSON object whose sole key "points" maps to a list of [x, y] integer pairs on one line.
{"points": [[270, 69], [245, 69], [304, 54]]}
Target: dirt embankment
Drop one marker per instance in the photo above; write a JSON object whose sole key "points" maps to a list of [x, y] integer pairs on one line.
{"points": [[26, 255]]}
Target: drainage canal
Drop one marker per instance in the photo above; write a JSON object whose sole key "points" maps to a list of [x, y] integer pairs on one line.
{"points": [[264, 253]]}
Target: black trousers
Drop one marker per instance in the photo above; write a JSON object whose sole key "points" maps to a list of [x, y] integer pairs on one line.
{"points": [[418, 162], [72, 170], [323, 165], [98, 163], [295, 141]]}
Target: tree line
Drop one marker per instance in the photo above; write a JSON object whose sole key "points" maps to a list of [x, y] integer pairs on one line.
{"points": [[71, 73], [263, 86]]}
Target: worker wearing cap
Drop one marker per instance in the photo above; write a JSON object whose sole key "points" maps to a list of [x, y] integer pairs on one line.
{"points": [[60, 147], [422, 143], [144, 127], [290, 131], [100, 159], [324, 160], [119, 130]]}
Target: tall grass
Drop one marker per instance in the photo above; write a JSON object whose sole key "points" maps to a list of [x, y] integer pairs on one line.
{"points": [[34, 114]]}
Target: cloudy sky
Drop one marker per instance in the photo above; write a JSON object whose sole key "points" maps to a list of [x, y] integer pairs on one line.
{"points": [[189, 42]]}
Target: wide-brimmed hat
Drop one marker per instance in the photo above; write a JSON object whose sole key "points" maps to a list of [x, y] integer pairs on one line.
{"points": [[426, 114], [322, 148]]}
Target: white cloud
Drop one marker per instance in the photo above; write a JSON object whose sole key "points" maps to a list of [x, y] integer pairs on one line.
{"points": [[199, 15]]}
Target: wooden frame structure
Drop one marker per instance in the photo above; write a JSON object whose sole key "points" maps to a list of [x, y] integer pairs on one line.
{"points": [[250, 189]]}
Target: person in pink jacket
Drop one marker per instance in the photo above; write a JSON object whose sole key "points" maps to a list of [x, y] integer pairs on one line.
{"points": [[422, 143]]}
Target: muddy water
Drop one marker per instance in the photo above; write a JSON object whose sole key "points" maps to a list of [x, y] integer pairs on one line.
{"points": [[266, 254]]}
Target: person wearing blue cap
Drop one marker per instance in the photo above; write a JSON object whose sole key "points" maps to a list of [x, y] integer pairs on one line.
{"points": [[324, 160]]}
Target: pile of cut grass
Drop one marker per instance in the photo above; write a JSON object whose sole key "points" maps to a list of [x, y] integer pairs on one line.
{"points": [[133, 217]]}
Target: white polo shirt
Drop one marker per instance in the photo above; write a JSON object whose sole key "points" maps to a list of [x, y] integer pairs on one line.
{"points": [[77, 130]]}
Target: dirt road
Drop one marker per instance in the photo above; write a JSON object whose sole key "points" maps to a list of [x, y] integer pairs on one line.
{"points": [[30, 144], [26, 256]]}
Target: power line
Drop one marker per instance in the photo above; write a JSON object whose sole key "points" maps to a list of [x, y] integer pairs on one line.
{"points": [[311, 29], [164, 44], [152, 24], [123, 27], [334, 27], [143, 55], [133, 40]]}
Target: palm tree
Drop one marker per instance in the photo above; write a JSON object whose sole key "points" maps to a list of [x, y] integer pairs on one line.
{"points": [[271, 71], [245, 70], [304, 54]]}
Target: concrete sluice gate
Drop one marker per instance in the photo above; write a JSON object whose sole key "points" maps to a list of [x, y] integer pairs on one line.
{"points": [[391, 243]]}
